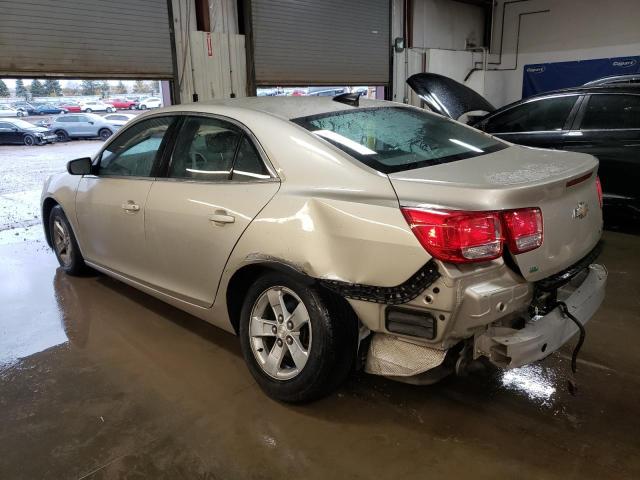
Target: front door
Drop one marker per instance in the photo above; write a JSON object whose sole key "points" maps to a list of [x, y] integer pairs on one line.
{"points": [[9, 133], [216, 183], [110, 206]]}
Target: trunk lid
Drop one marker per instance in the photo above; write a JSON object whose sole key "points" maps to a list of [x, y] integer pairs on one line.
{"points": [[519, 177], [446, 96]]}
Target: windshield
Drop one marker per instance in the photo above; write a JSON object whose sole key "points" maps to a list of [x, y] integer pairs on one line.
{"points": [[392, 139]]}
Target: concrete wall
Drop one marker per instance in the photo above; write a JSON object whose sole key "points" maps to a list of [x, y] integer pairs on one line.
{"points": [[571, 30]]}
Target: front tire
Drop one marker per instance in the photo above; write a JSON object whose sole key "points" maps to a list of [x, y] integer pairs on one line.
{"points": [[21, 113], [64, 243], [111, 110], [87, 110], [298, 341], [29, 140], [142, 107]]}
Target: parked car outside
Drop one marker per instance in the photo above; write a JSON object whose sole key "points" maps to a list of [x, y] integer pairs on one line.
{"points": [[603, 121], [405, 237], [85, 125], [48, 109], [96, 106], [149, 102], [8, 111], [71, 107], [24, 108], [118, 118], [24, 133], [123, 103], [325, 91]]}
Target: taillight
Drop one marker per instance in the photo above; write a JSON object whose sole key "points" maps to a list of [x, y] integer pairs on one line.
{"points": [[457, 236], [523, 229], [599, 189]]}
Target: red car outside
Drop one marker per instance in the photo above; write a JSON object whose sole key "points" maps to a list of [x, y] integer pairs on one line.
{"points": [[71, 107], [123, 103]]}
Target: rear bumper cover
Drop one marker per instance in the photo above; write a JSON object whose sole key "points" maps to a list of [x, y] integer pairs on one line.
{"points": [[509, 348]]}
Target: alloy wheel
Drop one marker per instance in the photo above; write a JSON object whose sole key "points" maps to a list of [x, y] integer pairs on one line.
{"points": [[62, 242], [280, 333]]}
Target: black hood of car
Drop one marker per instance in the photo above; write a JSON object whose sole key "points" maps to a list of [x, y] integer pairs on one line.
{"points": [[446, 96]]}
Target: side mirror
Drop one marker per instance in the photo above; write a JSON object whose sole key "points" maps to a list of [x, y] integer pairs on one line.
{"points": [[80, 166], [15, 129]]}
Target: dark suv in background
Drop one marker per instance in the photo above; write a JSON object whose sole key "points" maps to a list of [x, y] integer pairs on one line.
{"points": [[603, 121]]}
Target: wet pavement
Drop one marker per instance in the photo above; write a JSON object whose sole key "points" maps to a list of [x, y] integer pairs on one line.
{"points": [[98, 380]]}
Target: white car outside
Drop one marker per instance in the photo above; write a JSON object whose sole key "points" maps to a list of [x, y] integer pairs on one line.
{"points": [[96, 106], [118, 119], [150, 102], [7, 111]]}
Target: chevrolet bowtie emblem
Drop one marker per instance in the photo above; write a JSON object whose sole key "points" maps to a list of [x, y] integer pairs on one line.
{"points": [[581, 210]]}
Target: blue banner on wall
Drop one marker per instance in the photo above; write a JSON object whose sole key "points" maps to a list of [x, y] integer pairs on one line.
{"points": [[542, 77]]}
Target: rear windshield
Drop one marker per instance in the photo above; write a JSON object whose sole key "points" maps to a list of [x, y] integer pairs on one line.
{"points": [[393, 139]]}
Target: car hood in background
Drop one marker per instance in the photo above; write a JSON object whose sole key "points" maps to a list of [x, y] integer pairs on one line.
{"points": [[446, 96]]}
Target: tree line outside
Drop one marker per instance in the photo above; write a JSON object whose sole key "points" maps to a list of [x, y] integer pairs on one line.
{"points": [[53, 88]]}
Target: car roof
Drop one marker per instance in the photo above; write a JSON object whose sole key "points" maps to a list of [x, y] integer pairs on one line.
{"points": [[620, 88], [285, 107]]}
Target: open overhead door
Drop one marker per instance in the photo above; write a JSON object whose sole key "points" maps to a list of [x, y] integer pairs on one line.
{"points": [[329, 42], [85, 38]]}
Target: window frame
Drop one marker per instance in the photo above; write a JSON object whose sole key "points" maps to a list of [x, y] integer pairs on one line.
{"points": [[567, 123], [245, 132], [577, 125], [162, 150]]}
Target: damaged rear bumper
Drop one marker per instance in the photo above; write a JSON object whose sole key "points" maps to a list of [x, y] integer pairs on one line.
{"points": [[510, 348]]}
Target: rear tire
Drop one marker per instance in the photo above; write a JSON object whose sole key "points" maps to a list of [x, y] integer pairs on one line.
{"points": [[142, 107], [111, 110], [29, 140], [132, 107], [87, 110], [328, 345], [64, 243], [105, 133]]}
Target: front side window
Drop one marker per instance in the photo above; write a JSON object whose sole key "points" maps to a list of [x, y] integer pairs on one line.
{"points": [[544, 115], [612, 112], [392, 139], [136, 150], [205, 149]]}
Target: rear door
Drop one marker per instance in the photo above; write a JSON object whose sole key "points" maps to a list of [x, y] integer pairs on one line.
{"points": [[608, 127], [216, 183], [110, 206], [541, 122]]}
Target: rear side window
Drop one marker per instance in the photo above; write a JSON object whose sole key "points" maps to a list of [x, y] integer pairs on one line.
{"points": [[612, 112], [392, 139], [248, 165], [205, 149], [544, 115]]}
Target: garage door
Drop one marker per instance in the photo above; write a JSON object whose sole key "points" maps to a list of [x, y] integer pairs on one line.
{"points": [[329, 42], [92, 38]]}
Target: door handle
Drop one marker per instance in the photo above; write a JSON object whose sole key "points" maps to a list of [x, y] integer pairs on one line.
{"points": [[222, 218], [130, 206]]}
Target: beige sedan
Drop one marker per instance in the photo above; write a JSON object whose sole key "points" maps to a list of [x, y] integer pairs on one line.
{"points": [[340, 233]]}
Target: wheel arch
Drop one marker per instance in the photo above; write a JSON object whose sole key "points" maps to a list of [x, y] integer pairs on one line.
{"points": [[244, 277], [47, 205]]}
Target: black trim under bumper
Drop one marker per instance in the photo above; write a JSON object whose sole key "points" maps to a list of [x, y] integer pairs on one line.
{"points": [[403, 293]]}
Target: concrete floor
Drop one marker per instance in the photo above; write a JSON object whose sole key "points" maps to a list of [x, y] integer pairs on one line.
{"points": [[98, 380]]}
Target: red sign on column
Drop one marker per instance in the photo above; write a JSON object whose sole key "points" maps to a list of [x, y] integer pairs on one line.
{"points": [[209, 47]]}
